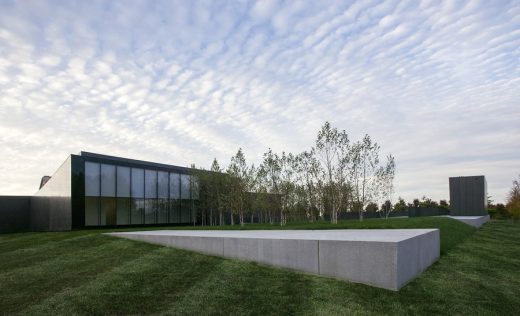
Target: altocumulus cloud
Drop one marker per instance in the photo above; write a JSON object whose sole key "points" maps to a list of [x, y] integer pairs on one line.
{"points": [[435, 83]]}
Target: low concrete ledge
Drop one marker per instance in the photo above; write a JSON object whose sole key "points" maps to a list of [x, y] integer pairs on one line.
{"points": [[475, 221], [386, 258]]}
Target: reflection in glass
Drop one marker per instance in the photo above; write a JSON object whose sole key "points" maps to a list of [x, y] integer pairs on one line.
{"points": [[162, 185], [174, 211], [108, 180], [150, 187], [162, 211], [136, 211], [185, 211], [185, 186], [194, 188], [175, 189], [92, 179], [137, 183], [91, 211], [123, 181], [123, 208], [108, 211], [149, 211]]}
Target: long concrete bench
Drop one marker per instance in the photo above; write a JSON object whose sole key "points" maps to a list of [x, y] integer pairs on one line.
{"points": [[386, 258]]}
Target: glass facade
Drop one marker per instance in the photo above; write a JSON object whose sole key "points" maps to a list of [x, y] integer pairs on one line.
{"points": [[123, 195]]}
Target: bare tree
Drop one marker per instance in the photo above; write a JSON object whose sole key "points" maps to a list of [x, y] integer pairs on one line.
{"points": [[242, 181], [273, 169], [386, 176], [365, 161], [334, 153]]}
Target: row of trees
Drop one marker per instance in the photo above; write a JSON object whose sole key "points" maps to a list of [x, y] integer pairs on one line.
{"points": [[336, 175]]}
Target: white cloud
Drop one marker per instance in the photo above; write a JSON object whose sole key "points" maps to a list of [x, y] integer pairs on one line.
{"points": [[436, 84]]}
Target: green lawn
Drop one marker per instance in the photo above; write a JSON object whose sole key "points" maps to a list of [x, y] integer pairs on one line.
{"points": [[86, 272]]}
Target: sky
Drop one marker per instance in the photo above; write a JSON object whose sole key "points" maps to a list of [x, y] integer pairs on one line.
{"points": [[435, 83]]}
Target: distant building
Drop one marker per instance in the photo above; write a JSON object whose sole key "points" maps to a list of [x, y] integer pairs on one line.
{"points": [[468, 196]]}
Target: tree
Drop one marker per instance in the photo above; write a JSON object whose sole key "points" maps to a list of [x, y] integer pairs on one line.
{"points": [[286, 185], [386, 176], [427, 202], [334, 153], [216, 190], [372, 207], [365, 161], [513, 199], [271, 165], [241, 181], [444, 204], [307, 170], [400, 205], [386, 208]]}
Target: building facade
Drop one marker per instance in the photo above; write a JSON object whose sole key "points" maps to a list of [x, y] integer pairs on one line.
{"points": [[91, 190]]}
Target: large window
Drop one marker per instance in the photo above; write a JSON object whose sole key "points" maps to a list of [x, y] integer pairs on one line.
{"points": [[108, 211], [162, 185], [185, 186], [175, 211], [123, 208], [108, 180], [123, 181], [91, 211], [162, 211], [175, 189], [150, 184], [194, 188], [149, 211], [121, 195], [92, 179], [137, 183], [136, 211]]}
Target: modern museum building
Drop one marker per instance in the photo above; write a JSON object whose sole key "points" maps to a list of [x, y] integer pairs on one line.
{"points": [[91, 190]]}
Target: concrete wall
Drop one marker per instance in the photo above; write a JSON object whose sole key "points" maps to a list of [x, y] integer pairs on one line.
{"points": [[386, 258], [468, 196], [51, 208], [14, 213]]}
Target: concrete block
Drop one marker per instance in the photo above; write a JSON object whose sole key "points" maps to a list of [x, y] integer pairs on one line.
{"points": [[386, 258], [475, 221]]}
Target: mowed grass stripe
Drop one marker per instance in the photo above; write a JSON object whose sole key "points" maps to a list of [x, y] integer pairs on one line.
{"points": [[150, 282], [26, 256], [26, 285]]}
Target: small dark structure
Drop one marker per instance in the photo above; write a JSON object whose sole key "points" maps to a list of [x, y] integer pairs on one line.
{"points": [[468, 196]]}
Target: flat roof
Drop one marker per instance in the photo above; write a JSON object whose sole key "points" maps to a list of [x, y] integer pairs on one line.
{"points": [[131, 162]]}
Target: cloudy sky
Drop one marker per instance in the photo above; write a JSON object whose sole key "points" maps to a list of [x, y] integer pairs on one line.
{"points": [[437, 84]]}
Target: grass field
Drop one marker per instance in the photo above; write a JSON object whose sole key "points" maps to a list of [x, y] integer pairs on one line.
{"points": [[86, 272]]}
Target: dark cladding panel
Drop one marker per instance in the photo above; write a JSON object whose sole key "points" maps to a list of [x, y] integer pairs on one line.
{"points": [[14, 213], [468, 196]]}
